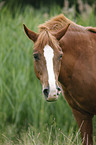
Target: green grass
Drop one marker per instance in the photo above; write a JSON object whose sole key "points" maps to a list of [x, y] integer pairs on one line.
{"points": [[25, 117], [48, 136]]}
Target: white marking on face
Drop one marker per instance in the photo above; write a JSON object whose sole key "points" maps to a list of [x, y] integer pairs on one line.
{"points": [[49, 55]]}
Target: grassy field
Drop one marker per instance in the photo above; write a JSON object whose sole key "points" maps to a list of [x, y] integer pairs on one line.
{"points": [[25, 117]]}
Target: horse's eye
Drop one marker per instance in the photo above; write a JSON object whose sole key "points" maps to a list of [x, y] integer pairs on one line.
{"points": [[60, 57], [36, 56]]}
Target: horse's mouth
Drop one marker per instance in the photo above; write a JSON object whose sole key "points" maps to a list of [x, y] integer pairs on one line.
{"points": [[52, 98]]}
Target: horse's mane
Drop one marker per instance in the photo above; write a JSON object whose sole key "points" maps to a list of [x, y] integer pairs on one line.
{"points": [[47, 29], [56, 23]]}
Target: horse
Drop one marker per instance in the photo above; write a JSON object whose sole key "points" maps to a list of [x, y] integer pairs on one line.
{"points": [[65, 61]]}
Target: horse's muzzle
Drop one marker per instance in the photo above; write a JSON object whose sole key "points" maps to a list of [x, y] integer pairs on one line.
{"points": [[52, 95]]}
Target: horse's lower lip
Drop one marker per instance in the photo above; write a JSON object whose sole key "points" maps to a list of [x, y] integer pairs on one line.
{"points": [[51, 100]]}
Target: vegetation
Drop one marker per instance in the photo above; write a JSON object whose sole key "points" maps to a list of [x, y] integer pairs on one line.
{"points": [[39, 3], [25, 117]]}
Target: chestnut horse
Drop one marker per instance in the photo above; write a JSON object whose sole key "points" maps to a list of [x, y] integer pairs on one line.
{"points": [[66, 52]]}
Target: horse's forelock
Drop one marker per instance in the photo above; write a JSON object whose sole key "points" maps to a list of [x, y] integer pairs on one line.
{"points": [[46, 38]]}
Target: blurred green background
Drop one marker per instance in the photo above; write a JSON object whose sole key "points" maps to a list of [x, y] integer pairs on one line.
{"points": [[25, 116]]}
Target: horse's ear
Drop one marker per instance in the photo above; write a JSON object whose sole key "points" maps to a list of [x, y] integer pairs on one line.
{"points": [[91, 29], [31, 35], [59, 34]]}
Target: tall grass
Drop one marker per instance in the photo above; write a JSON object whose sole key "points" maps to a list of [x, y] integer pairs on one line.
{"points": [[21, 101]]}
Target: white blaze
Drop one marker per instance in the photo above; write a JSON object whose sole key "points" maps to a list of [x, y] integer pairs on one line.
{"points": [[49, 55]]}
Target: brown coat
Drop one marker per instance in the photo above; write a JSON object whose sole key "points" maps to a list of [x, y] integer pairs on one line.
{"points": [[77, 73]]}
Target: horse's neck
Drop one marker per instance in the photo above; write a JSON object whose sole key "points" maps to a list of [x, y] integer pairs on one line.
{"points": [[75, 40], [77, 46], [72, 44]]}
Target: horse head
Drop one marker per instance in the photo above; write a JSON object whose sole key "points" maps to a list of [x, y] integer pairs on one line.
{"points": [[47, 59]]}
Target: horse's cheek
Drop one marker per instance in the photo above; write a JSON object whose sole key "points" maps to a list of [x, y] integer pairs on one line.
{"points": [[36, 72]]}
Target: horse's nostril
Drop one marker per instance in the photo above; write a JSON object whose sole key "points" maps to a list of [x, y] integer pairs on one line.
{"points": [[46, 92], [58, 89]]}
